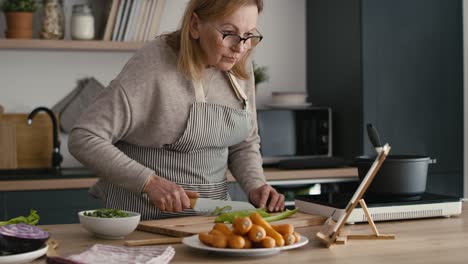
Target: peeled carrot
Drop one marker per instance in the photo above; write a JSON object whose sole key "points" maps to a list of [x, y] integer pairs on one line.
{"points": [[289, 239], [284, 229], [216, 232], [223, 228], [297, 236], [258, 220], [256, 233], [268, 242], [236, 241], [248, 243], [241, 225], [213, 240]]}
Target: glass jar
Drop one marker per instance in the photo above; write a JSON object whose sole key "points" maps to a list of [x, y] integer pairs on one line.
{"points": [[82, 23], [52, 20]]}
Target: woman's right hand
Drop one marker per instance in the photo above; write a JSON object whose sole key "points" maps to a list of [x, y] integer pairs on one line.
{"points": [[168, 196]]}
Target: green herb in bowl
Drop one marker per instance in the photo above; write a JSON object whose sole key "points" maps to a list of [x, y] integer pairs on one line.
{"points": [[107, 213], [109, 223]]}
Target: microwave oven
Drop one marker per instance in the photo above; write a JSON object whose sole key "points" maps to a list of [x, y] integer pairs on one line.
{"points": [[294, 133]]}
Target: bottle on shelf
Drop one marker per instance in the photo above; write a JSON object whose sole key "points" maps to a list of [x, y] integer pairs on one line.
{"points": [[82, 23], [52, 20]]}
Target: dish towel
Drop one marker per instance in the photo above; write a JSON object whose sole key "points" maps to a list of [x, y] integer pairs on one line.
{"points": [[107, 254], [73, 104]]}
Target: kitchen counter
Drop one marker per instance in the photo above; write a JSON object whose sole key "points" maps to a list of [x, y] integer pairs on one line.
{"points": [[28, 180], [46, 179], [436, 240]]}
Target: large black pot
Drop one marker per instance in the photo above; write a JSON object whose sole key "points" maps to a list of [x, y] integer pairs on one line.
{"points": [[400, 176]]}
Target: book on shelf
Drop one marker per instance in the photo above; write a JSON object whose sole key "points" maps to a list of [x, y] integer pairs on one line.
{"points": [[150, 18], [111, 20], [126, 15], [139, 20], [155, 22], [130, 29], [133, 20], [118, 21]]}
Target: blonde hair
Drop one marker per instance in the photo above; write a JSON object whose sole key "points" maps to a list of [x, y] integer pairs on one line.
{"points": [[190, 58]]}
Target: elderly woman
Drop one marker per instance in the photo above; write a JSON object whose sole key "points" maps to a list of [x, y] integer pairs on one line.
{"points": [[178, 116]]}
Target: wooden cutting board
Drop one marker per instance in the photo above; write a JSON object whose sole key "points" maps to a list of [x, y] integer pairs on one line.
{"points": [[191, 225], [34, 143], [7, 146]]}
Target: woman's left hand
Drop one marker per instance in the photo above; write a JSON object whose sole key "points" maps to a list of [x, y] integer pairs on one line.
{"points": [[267, 194]]}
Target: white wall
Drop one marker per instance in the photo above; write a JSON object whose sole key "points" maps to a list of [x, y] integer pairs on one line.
{"points": [[31, 78]]}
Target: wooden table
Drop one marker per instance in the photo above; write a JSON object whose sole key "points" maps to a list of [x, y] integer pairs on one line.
{"points": [[436, 240]]}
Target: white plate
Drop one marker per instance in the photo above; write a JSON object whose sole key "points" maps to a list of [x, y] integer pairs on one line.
{"points": [[23, 257], [288, 106], [194, 242]]}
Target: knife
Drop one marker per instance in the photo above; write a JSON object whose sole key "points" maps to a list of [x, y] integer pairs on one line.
{"points": [[207, 206]]}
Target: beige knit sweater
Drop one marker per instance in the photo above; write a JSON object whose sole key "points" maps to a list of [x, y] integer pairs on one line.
{"points": [[148, 105]]}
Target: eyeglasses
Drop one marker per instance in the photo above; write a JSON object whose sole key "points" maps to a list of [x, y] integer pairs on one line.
{"points": [[230, 40]]}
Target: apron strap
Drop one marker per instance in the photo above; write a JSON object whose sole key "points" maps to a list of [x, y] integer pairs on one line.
{"points": [[199, 92], [237, 89]]}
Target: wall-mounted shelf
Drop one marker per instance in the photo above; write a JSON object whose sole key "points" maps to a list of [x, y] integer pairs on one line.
{"points": [[94, 45]]}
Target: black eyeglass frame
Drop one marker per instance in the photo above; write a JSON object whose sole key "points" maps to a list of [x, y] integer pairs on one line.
{"points": [[260, 36]]}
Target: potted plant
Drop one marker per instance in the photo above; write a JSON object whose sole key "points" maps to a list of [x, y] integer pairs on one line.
{"points": [[260, 73], [19, 14]]}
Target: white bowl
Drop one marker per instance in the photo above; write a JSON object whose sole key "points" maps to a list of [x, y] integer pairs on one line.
{"points": [[110, 228]]}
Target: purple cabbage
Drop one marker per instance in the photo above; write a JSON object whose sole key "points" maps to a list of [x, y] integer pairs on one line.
{"points": [[20, 238]]}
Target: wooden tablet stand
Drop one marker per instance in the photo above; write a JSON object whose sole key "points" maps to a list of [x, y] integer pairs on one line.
{"points": [[330, 232]]}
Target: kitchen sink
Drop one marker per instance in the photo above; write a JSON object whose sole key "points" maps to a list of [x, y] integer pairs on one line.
{"points": [[46, 173]]}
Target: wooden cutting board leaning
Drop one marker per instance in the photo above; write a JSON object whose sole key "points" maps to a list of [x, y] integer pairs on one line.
{"points": [[191, 225], [24, 146], [7, 145]]}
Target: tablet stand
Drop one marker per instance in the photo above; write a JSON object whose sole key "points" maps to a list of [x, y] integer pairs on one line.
{"points": [[330, 232]]}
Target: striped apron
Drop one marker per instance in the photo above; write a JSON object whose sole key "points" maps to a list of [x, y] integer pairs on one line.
{"points": [[197, 161]]}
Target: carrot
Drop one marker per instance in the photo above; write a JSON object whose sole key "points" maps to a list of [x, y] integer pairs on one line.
{"points": [[236, 241], [248, 243], [258, 220], [223, 228], [241, 225], [289, 239], [216, 232], [297, 236], [205, 238], [268, 242], [256, 233], [213, 240], [284, 229]]}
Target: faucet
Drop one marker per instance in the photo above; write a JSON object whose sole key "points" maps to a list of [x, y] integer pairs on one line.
{"points": [[56, 156]]}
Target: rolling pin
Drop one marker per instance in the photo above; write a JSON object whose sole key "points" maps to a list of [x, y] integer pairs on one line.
{"points": [[154, 241]]}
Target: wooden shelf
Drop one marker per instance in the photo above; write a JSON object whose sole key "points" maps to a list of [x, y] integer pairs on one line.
{"points": [[77, 45]]}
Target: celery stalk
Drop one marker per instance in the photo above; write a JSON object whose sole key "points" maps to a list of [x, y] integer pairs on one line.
{"points": [[281, 216], [229, 216]]}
